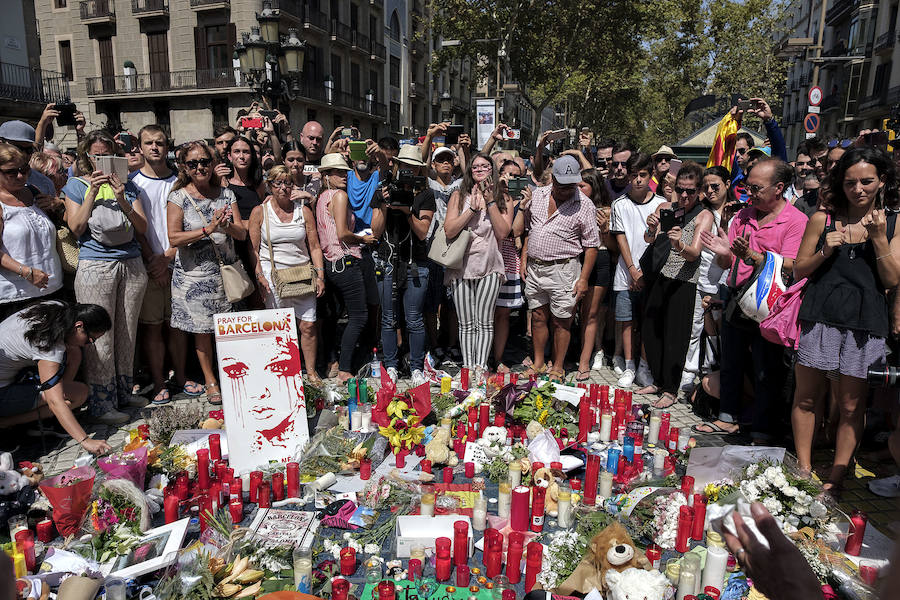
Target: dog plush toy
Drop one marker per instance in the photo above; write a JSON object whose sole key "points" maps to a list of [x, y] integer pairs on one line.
{"points": [[611, 550]]}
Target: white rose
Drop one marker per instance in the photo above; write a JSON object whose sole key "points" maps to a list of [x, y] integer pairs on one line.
{"points": [[790, 491], [761, 482], [372, 549], [804, 498], [799, 509], [752, 469], [773, 505], [772, 472], [780, 481], [346, 535], [817, 510]]}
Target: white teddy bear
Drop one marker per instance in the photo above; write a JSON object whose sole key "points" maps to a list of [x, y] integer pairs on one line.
{"points": [[11, 481], [636, 584], [493, 440]]}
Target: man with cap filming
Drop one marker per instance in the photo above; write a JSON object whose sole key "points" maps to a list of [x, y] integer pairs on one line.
{"points": [[662, 163], [561, 223]]}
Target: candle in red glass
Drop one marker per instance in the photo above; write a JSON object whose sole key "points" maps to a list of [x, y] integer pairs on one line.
{"points": [[490, 537], [654, 555], [400, 459], [203, 468], [221, 466], [664, 420], [508, 595], [685, 525], [386, 590], [673, 439], [857, 531], [215, 447], [264, 495], [592, 473], [585, 419], [425, 465], [500, 419], [348, 561], [472, 433], [278, 486], [236, 508], [365, 469], [205, 504], [45, 531], [464, 379], [420, 450], [514, 556], [687, 486], [442, 559], [256, 478], [236, 489], [494, 561], [514, 378], [518, 508], [470, 469], [536, 465], [215, 495], [25, 543], [340, 589], [293, 480], [460, 543], [712, 592], [533, 560], [484, 416], [538, 495], [699, 517], [462, 575], [170, 507], [415, 569], [575, 484], [448, 474]]}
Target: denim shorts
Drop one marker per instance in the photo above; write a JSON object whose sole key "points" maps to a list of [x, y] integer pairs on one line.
{"points": [[628, 305], [18, 398]]}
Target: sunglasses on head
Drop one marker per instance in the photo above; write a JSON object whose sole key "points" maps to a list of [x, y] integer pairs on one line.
{"points": [[193, 164], [842, 143]]}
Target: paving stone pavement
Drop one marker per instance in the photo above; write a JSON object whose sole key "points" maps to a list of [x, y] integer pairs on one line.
{"points": [[60, 454]]}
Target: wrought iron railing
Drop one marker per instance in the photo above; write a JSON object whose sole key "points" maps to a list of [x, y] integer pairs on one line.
{"points": [[32, 85]]}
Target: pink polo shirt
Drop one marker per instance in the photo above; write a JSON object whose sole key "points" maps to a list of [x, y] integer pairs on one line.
{"points": [[781, 236]]}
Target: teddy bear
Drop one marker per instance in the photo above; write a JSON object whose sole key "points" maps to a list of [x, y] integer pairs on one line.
{"points": [[636, 584], [493, 440], [33, 472], [544, 478], [438, 449], [11, 481], [611, 550]]}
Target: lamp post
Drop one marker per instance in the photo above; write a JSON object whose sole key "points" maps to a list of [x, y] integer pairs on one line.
{"points": [[370, 101], [445, 107]]}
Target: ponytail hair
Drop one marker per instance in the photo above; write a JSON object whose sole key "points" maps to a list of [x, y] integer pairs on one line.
{"points": [[50, 322]]}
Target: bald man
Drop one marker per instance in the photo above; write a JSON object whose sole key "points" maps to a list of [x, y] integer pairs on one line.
{"points": [[312, 138]]}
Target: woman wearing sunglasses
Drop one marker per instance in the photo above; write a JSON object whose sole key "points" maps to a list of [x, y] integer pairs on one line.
{"points": [[104, 212], [29, 265], [203, 221]]}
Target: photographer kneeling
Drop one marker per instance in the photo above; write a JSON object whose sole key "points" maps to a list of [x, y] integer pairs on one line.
{"points": [[401, 261]]}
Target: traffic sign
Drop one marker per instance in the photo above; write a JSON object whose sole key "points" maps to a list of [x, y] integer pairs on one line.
{"points": [[814, 109], [811, 123], [815, 95]]}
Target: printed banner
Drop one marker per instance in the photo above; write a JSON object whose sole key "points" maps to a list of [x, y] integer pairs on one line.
{"points": [[486, 119], [262, 387]]}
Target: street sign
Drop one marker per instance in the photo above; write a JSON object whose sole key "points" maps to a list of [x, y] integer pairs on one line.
{"points": [[814, 109], [815, 95], [811, 123]]}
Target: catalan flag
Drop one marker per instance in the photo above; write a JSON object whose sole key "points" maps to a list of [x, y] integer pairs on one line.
{"points": [[722, 152]]}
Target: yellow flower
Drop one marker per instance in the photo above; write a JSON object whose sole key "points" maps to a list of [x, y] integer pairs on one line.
{"points": [[396, 407], [543, 417], [416, 435], [392, 435], [539, 402]]}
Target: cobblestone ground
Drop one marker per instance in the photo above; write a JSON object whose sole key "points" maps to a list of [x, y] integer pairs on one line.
{"points": [[57, 455]]}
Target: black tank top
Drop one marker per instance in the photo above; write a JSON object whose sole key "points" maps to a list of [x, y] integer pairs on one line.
{"points": [[247, 199], [846, 291]]}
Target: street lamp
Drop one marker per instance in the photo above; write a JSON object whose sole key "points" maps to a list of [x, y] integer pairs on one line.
{"points": [[370, 101], [329, 89], [294, 51], [445, 106], [268, 21]]}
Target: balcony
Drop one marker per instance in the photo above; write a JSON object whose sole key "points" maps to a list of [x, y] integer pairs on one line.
{"points": [[840, 10], [150, 8], [341, 32], [885, 41], [417, 46], [165, 82], [377, 3], [209, 4], [314, 19], [97, 11], [873, 101], [361, 42], [379, 52], [25, 84]]}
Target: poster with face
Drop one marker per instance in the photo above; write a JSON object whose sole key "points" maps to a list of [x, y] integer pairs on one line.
{"points": [[262, 388]]}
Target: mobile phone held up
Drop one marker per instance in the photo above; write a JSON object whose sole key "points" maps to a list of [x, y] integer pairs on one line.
{"points": [[516, 185], [127, 142], [674, 166], [745, 105], [358, 151], [452, 135], [251, 123], [66, 113], [512, 134]]}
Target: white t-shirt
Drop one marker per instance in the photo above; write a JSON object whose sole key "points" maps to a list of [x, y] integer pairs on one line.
{"points": [[442, 195], [631, 219], [16, 353], [154, 194]]}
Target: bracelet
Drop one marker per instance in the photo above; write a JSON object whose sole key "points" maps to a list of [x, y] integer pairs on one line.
{"points": [[203, 229], [30, 274], [492, 202], [83, 439], [883, 256]]}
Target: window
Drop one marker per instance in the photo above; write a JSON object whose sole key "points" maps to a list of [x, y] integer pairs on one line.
{"points": [[59, 3], [395, 26], [354, 80], [219, 108], [882, 77], [395, 116], [313, 70], [158, 47], [217, 49], [354, 17], [373, 82], [336, 72], [107, 64], [373, 29], [395, 71], [335, 10], [161, 116], [65, 59]]}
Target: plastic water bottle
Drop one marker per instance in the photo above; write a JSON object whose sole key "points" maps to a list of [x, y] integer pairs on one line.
{"points": [[376, 364]]}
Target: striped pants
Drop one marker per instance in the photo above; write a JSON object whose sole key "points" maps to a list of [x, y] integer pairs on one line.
{"points": [[475, 300]]}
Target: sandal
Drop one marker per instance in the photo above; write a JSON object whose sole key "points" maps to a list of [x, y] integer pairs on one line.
{"points": [[583, 376], [192, 388], [161, 397], [536, 371], [333, 370], [648, 389], [713, 429], [665, 401], [501, 368], [213, 394], [557, 376]]}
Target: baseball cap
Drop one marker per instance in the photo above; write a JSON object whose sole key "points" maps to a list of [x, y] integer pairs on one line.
{"points": [[760, 150], [17, 131], [443, 150], [566, 170]]}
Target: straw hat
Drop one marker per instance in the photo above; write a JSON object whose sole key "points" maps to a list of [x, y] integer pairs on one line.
{"points": [[411, 155], [333, 161]]}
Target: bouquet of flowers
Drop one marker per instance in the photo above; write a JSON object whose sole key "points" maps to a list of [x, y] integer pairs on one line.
{"points": [[538, 404], [658, 520], [400, 416], [70, 495], [562, 556], [792, 500], [130, 465]]}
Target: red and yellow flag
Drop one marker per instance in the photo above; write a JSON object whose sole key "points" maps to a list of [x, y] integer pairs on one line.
{"points": [[722, 152]]}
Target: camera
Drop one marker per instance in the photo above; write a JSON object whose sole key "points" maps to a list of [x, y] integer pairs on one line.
{"points": [[670, 218], [66, 113], [404, 187], [886, 377]]}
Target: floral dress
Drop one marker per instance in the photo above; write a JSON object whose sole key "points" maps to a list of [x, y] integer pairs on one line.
{"points": [[197, 289]]}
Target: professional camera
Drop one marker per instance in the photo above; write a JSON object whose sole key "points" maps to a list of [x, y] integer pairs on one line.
{"points": [[887, 376], [405, 186]]}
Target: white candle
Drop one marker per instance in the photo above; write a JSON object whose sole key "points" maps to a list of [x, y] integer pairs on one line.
{"points": [[659, 461], [479, 514], [686, 584], [366, 420], [684, 437], [515, 474], [606, 481], [564, 514], [503, 499], [714, 572], [605, 427], [653, 438], [356, 420]]}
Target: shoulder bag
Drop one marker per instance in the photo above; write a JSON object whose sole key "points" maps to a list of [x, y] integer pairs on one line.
{"points": [[235, 280], [293, 282], [449, 253], [107, 223]]}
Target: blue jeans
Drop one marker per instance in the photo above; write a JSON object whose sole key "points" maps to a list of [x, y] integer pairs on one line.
{"points": [[413, 298]]}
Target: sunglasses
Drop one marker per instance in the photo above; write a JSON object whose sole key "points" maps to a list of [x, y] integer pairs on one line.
{"points": [[742, 151], [193, 164], [755, 189], [618, 163], [688, 191], [443, 158], [712, 186], [841, 143], [23, 170]]}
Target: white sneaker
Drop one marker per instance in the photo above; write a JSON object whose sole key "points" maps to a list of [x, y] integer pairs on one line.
{"points": [[597, 363], [886, 487], [626, 379], [418, 378], [112, 417], [392, 373], [618, 364], [644, 377]]}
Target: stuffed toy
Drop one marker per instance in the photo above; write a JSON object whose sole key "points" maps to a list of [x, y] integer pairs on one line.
{"points": [[11, 481], [438, 449], [636, 584], [493, 441], [33, 472], [212, 423], [611, 550], [544, 478]]}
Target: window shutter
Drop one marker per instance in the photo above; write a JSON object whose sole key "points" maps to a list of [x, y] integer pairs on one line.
{"points": [[232, 38], [202, 56]]}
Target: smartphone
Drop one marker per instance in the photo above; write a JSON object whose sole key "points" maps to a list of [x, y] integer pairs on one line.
{"points": [[358, 151], [270, 114], [452, 135], [346, 133], [512, 134], [559, 134], [670, 218], [66, 113], [251, 123], [516, 185], [113, 164], [127, 142], [745, 105], [877, 138], [674, 166]]}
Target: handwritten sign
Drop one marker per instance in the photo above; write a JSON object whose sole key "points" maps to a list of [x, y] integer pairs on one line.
{"points": [[283, 527]]}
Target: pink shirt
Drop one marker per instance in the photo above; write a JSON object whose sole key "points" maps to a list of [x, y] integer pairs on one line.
{"points": [[781, 236], [332, 247], [483, 254], [567, 232]]}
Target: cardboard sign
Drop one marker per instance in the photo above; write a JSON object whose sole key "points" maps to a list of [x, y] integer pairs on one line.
{"points": [[262, 388], [195, 439], [475, 454], [283, 527], [569, 393]]}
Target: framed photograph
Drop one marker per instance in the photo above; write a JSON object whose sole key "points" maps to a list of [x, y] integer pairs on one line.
{"points": [[158, 549]]}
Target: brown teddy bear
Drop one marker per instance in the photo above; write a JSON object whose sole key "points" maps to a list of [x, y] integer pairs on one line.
{"points": [[544, 478], [611, 549], [437, 450]]}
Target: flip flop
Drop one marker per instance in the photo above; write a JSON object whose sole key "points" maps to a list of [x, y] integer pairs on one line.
{"points": [[665, 401], [161, 397], [586, 377], [213, 394], [714, 429], [648, 389], [192, 388]]}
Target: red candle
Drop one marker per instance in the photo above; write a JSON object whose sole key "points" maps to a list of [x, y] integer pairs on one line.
{"points": [[462, 575], [604, 396], [518, 508], [415, 569], [464, 379], [470, 469], [683, 533], [592, 473], [484, 416], [514, 557], [340, 588], [264, 495], [537, 508], [461, 543], [508, 594], [585, 419], [699, 517], [687, 485], [857, 531], [256, 478], [664, 419], [425, 465], [293, 480], [278, 486], [448, 474], [533, 561], [215, 446], [205, 504], [365, 469], [25, 543], [673, 439], [220, 469], [348, 561], [236, 508], [442, 559], [170, 506], [229, 474], [400, 459], [500, 419], [472, 433], [420, 450], [654, 555], [203, 468], [387, 590], [514, 378], [575, 484], [236, 489], [494, 559], [45, 532]]}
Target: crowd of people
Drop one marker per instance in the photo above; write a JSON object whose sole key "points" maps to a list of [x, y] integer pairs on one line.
{"points": [[643, 257]]}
